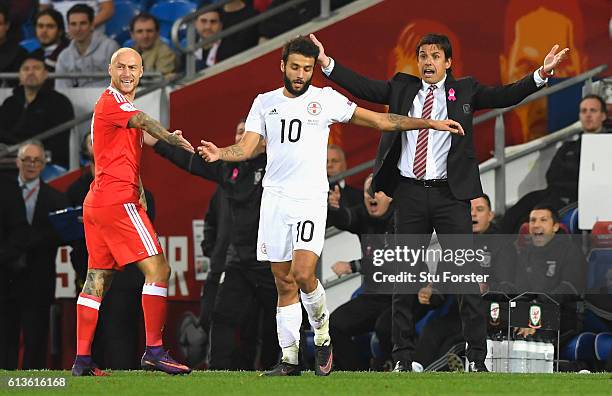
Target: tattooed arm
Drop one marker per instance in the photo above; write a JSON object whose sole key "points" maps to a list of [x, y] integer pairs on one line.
{"points": [[390, 122], [155, 129], [250, 145]]}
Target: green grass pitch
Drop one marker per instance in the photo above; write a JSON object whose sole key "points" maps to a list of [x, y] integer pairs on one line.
{"points": [[203, 383]]}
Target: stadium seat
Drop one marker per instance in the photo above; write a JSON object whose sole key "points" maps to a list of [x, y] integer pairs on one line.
{"points": [[118, 27], [52, 171], [600, 262], [602, 234], [169, 11], [30, 45], [569, 217], [603, 346], [27, 30], [434, 313], [581, 347], [594, 323]]}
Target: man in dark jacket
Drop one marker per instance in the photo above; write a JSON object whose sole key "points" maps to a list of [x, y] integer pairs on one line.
{"points": [[563, 171], [34, 108], [31, 289], [246, 281]]}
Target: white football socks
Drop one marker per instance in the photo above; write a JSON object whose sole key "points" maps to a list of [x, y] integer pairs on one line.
{"points": [[318, 315], [288, 322]]}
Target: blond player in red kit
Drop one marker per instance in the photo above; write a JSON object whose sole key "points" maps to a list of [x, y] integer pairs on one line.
{"points": [[117, 229]]}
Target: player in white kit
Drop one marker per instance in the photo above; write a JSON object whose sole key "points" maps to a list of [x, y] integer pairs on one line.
{"points": [[294, 122]]}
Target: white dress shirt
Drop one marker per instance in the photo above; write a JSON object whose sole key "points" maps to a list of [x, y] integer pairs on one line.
{"points": [[438, 142]]}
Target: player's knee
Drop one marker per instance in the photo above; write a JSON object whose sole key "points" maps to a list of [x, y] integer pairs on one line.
{"points": [[285, 284], [304, 279]]}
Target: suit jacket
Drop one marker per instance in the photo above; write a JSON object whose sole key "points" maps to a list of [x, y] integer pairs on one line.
{"points": [[399, 92], [37, 281], [14, 230]]}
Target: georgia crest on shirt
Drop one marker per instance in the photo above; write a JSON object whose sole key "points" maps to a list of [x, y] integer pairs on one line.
{"points": [[296, 131]]}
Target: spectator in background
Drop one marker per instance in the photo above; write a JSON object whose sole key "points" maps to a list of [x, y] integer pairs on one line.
{"points": [[336, 164], [11, 53], [563, 171], [103, 9], [366, 312], [51, 35], [34, 108], [235, 12], [32, 289], [208, 24], [156, 55], [14, 230], [88, 51]]}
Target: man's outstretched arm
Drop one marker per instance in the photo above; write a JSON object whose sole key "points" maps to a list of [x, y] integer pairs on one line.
{"points": [[155, 129], [390, 122], [246, 148]]}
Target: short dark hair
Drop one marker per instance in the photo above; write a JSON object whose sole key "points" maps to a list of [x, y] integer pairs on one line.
{"points": [[486, 198], [55, 15], [597, 98], [440, 40], [549, 207], [144, 16], [81, 9], [5, 11], [300, 45], [35, 55]]}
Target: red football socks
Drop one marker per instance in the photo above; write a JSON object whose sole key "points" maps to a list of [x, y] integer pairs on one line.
{"points": [[154, 308]]}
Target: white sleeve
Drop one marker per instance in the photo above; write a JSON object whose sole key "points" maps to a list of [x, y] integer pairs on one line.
{"points": [[341, 108], [255, 121]]}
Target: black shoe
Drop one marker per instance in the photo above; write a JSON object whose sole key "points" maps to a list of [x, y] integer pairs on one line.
{"points": [[324, 359], [477, 367], [402, 366], [455, 363], [283, 369]]}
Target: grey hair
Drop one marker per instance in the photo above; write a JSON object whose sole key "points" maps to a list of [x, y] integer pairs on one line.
{"points": [[32, 142]]}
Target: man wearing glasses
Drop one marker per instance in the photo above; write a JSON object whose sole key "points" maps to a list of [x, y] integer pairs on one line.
{"points": [[31, 286]]}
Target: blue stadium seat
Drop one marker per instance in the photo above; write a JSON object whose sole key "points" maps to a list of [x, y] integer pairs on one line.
{"points": [[169, 11], [30, 44], [569, 218], [434, 313], [52, 171], [581, 347], [600, 262], [118, 27], [603, 346]]}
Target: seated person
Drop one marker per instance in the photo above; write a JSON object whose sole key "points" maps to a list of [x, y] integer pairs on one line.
{"points": [[34, 108], [89, 51], [562, 174], [156, 55], [366, 312], [51, 35], [103, 9], [11, 53], [551, 264], [336, 164]]}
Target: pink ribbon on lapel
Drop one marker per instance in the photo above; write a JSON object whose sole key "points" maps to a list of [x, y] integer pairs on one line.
{"points": [[451, 95]]}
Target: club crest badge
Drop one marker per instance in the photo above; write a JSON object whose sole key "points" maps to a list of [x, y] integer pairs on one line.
{"points": [[535, 316], [314, 108]]}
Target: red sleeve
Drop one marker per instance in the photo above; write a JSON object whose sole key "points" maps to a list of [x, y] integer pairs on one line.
{"points": [[117, 112]]}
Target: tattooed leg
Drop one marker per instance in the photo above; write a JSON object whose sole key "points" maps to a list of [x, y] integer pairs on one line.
{"points": [[98, 282]]}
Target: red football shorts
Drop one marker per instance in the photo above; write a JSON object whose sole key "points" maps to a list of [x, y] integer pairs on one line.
{"points": [[118, 235]]}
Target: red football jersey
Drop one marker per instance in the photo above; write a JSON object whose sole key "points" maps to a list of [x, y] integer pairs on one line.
{"points": [[117, 150]]}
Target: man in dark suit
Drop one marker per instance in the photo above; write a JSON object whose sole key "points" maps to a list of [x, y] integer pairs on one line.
{"points": [[31, 289], [432, 176]]}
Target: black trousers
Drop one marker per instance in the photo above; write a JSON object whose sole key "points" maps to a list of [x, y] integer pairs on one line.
{"points": [[33, 319], [245, 307], [357, 316], [116, 345], [418, 211]]}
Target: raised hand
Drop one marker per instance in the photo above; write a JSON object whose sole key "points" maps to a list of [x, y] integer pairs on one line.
{"points": [[447, 125], [176, 138], [333, 198], [322, 59], [554, 58], [208, 151]]}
